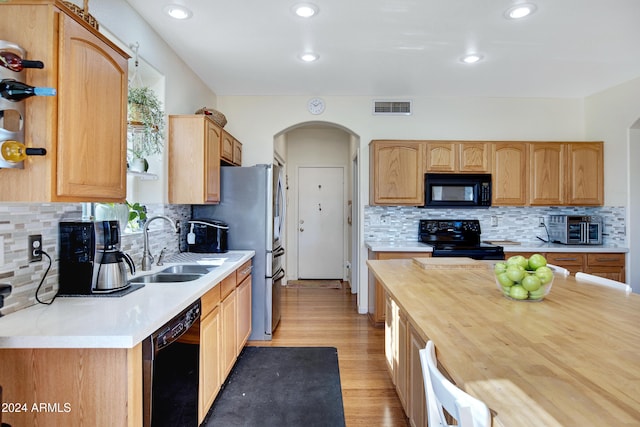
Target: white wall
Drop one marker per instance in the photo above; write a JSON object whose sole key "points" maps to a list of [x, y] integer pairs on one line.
{"points": [[610, 116], [184, 91], [256, 120]]}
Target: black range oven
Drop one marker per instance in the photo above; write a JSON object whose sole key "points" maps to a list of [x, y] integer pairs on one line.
{"points": [[457, 238]]}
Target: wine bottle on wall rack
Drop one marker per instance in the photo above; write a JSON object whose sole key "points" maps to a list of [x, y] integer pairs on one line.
{"points": [[15, 63], [14, 151], [14, 90]]}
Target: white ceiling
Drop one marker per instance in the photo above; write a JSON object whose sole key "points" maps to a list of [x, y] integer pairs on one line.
{"points": [[404, 48]]}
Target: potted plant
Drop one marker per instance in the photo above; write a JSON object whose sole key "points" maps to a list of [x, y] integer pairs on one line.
{"points": [[137, 215], [145, 134]]}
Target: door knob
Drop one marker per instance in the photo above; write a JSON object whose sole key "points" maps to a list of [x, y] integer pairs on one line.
{"points": [[301, 229]]}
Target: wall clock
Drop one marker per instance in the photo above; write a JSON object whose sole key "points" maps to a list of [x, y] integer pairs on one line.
{"points": [[316, 105]]}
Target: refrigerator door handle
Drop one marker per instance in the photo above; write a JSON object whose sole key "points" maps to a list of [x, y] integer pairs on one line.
{"points": [[279, 275], [279, 251]]}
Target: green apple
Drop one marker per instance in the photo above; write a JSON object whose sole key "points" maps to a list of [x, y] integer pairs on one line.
{"points": [[500, 267], [515, 272], [536, 261], [518, 292], [504, 280], [539, 294], [545, 274], [518, 260], [531, 282]]}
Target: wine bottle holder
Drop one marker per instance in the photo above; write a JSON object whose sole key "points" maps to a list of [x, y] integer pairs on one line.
{"points": [[12, 114]]}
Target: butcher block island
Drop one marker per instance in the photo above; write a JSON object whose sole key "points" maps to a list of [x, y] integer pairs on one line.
{"points": [[572, 359]]}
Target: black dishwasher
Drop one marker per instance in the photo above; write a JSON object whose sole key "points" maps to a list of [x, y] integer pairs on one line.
{"points": [[170, 358]]}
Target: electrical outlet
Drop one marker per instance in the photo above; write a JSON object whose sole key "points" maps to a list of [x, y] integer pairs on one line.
{"points": [[541, 221], [35, 245], [494, 221], [1, 250]]}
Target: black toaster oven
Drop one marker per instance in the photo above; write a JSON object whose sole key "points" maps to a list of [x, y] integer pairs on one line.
{"points": [[207, 236]]}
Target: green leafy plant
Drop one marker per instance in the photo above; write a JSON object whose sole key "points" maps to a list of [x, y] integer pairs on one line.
{"points": [[137, 215], [146, 122]]}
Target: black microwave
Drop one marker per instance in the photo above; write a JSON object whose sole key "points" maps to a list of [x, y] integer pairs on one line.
{"points": [[457, 190]]}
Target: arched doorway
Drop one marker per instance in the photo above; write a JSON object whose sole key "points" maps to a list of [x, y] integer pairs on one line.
{"points": [[320, 147]]}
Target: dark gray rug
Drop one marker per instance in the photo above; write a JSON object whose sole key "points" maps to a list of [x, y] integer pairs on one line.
{"points": [[281, 386]]}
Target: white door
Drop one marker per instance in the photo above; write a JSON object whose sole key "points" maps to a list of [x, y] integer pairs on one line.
{"points": [[320, 222]]}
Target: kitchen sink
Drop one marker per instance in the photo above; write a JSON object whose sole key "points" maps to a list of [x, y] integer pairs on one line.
{"points": [[187, 269], [167, 277]]}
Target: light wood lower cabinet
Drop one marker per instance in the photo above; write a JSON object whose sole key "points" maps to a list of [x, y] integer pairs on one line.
{"points": [[210, 366], [416, 398], [376, 293], [243, 327], [228, 313], [609, 265], [402, 346], [72, 387], [210, 375]]}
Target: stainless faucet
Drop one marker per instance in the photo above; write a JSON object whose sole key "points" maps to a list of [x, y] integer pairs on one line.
{"points": [[147, 258]]}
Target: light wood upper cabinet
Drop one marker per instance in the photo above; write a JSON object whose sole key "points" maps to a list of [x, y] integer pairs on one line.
{"points": [[230, 149], [226, 147], [194, 160], [453, 156], [509, 173], [396, 173], [83, 127], [441, 157], [547, 178], [526, 173], [585, 173], [237, 152], [474, 157]]}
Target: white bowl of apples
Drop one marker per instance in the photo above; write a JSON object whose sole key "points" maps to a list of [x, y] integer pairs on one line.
{"points": [[522, 279]]}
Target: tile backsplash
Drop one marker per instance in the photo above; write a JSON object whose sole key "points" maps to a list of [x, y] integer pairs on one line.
{"points": [[19, 220], [396, 223]]}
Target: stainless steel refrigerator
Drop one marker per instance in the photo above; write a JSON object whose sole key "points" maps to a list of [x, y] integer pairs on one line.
{"points": [[252, 204]]}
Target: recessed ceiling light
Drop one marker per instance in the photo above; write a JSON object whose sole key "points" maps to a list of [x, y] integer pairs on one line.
{"points": [[520, 11], [305, 10], [471, 58], [177, 11], [309, 56]]}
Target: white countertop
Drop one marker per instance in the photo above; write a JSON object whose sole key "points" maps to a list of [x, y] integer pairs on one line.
{"points": [[118, 322], [415, 246]]}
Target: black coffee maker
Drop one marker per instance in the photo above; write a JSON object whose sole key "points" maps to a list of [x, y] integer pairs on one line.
{"points": [[90, 258]]}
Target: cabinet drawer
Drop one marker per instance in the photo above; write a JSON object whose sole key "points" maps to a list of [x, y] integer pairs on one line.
{"points": [[227, 285], [566, 258], [243, 272], [615, 260], [210, 300]]}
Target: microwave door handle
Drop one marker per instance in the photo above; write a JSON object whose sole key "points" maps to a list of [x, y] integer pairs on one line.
{"points": [[584, 235]]}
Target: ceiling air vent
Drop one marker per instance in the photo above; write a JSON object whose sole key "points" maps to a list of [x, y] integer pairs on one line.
{"points": [[402, 108]]}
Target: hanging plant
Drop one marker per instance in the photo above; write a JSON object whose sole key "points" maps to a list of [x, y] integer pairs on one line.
{"points": [[146, 122]]}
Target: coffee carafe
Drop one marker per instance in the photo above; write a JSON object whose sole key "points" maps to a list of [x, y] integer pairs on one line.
{"points": [[110, 272]]}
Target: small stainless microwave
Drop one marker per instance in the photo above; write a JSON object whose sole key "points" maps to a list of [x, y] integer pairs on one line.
{"points": [[453, 190]]}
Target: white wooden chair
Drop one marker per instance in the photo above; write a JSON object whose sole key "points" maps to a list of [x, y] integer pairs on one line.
{"points": [[559, 270], [443, 394], [602, 281]]}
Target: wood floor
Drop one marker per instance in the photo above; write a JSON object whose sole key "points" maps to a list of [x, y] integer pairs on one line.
{"points": [[329, 317]]}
